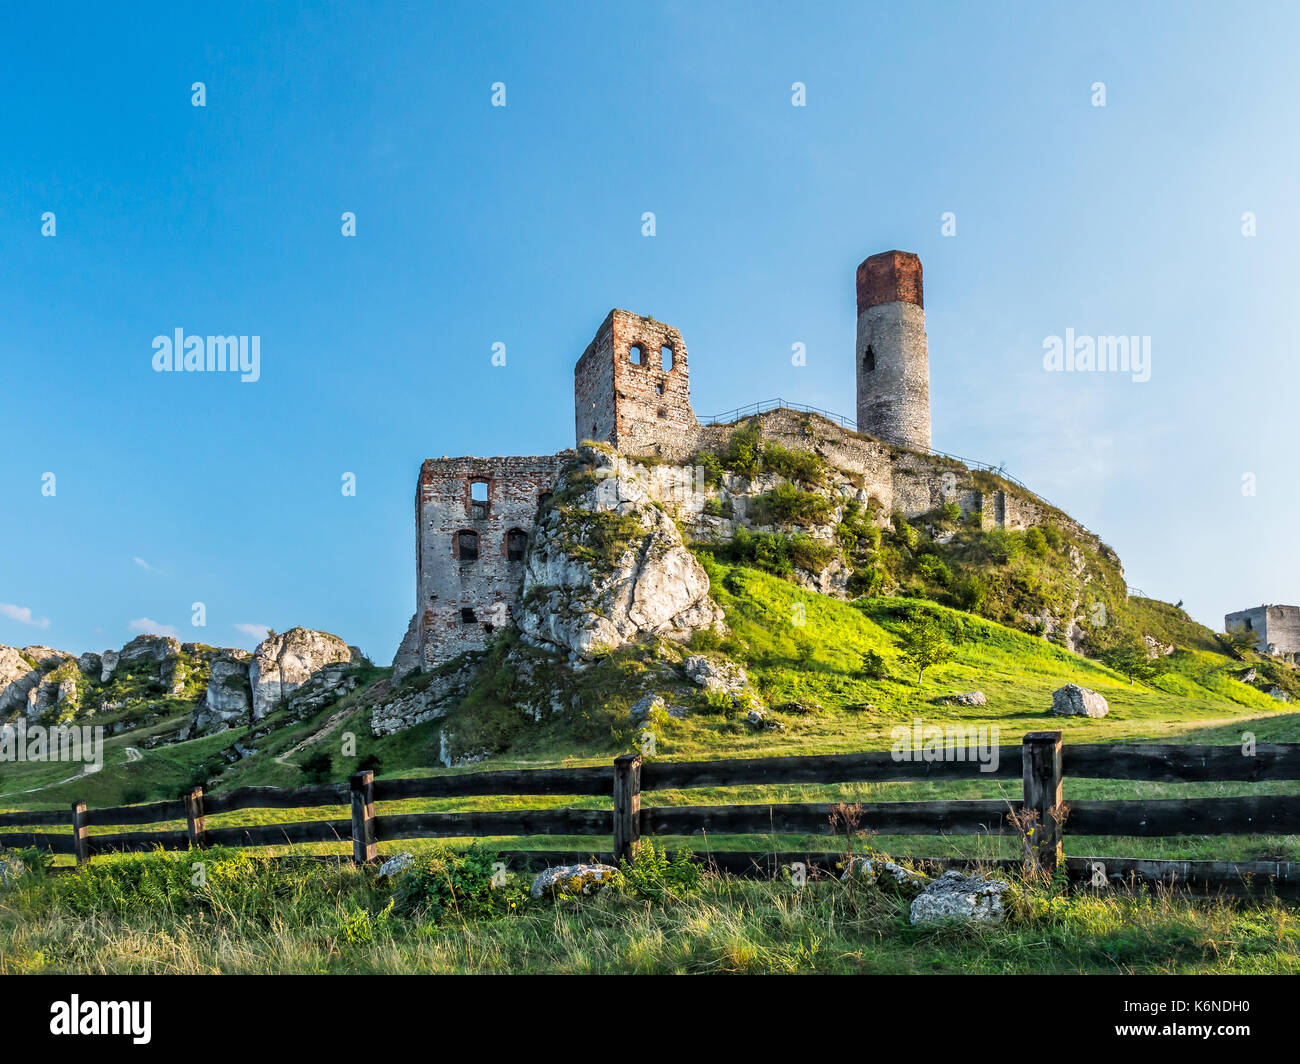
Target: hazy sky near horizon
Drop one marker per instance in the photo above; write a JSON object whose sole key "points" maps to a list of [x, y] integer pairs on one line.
{"points": [[522, 225]]}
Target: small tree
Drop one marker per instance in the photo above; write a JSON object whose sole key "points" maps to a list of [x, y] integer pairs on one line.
{"points": [[1131, 658], [924, 645], [1238, 641]]}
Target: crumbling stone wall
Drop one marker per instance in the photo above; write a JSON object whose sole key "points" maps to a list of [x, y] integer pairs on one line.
{"points": [[631, 387], [1278, 628], [470, 555]]}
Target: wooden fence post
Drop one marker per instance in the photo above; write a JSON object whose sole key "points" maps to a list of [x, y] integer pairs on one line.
{"points": [[364, 848], [196, 822], [1041, 765], [627, 805], [80, 833]]}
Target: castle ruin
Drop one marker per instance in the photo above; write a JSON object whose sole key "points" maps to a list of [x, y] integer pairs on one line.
{"points": [[631, 389], [1276, 628]]}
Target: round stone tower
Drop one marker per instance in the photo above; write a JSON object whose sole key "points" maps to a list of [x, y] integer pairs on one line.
{"points": [[893, 359]]}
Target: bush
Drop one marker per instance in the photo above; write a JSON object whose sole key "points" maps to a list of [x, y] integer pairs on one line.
{"points": [[786, 504], [868, 581], [904, 534], [318, 768], [779, 554], [932, 568], [856, 529], [971, 593], [744, 452], [653, 876], [802, 466], [442, 883], [999, 545], [874, 667], [710, 467]]}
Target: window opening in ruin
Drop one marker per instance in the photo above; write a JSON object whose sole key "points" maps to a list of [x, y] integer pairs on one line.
{"points": [[467, 616], [666, 358], [636, 354], [516, 543], [467, 546], [869, 359], [478, 499]]}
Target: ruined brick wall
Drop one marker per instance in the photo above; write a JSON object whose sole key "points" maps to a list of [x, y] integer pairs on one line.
{"points": [[903, 480], [461, 598], [1278, 627], [893, 362], [631, 387]]}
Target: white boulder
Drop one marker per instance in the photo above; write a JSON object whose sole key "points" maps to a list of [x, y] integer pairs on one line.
{"points": [[954, 896], [1075, 701]]}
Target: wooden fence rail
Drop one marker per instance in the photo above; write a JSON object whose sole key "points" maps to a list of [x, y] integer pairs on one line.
{"points": [[1040, 820]]}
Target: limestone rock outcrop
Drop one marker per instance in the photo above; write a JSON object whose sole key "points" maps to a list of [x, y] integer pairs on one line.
{"points": [[606, 567], [284, 661], [228, 701], [17, 678]]}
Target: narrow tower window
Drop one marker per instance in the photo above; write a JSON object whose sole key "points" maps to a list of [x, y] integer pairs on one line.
{"points": [[478, 499]]}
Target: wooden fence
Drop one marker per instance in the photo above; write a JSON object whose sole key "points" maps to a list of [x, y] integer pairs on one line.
{"points": [[1040, 820]]}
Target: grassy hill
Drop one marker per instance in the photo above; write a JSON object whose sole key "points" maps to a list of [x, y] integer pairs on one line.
{"points": [[830, 672]]}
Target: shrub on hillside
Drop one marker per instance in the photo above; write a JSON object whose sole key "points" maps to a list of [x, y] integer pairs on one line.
{"points": [[744, 451], [803, 466], [999, 545], [931, 567], [653, 876], [442, 883], [787, 505], [318, 768]]}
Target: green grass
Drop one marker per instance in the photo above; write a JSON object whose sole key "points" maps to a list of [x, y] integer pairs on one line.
{"points": [[145, 914]]}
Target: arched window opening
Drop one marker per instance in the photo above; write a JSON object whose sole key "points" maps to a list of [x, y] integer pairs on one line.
{"points": [[467, 546], [516, 544]]}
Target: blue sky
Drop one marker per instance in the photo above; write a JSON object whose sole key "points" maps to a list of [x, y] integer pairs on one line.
{"points": [[522, 225]]}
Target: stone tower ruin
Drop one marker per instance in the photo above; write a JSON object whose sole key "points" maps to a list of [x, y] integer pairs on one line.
{"points": [[632, 387], [893, 363]]}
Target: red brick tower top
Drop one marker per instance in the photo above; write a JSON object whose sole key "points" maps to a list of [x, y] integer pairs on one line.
{"points": [[890, 277]]}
